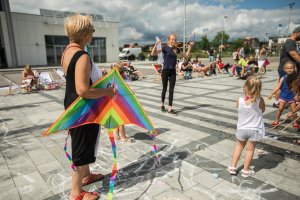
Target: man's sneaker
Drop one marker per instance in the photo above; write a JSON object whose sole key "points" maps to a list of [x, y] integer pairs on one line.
{"points": [[162, 108], [275, 105], [172, 112]]}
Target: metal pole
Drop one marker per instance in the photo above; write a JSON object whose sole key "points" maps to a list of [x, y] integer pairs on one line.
{"points": [[291, 8], [184, 26]]}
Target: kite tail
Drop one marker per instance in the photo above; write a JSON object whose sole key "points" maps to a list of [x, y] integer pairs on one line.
{"points": [[114, 170], [154, 144], [68, 155]]}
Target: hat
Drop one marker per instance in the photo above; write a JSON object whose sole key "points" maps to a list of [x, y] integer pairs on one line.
{"points": [[296, 30]]}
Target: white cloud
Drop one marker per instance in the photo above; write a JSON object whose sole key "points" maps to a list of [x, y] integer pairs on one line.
{"points": [[144, 20]]}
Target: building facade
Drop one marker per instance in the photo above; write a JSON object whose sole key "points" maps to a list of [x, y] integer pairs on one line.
{"points": [[40, 40]]}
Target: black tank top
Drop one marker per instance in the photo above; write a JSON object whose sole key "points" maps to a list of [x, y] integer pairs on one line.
{"points": [[70, 94]]}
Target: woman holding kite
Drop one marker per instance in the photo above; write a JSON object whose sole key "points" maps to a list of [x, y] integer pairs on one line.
{"points": [[77, 67]]}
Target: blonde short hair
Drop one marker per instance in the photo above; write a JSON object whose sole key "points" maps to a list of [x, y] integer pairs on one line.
{"points": [[78, 26]]}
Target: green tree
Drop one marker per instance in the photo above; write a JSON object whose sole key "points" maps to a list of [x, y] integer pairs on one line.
{"points": [[238, 43], [204, 43], [217, 41]]}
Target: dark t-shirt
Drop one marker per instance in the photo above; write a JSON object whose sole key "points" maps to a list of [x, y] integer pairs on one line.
{"points": [[289, 45], [170, 57], [254, 62], [211, 52]]}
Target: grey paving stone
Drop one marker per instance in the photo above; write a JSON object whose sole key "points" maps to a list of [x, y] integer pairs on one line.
{"points": [[207, 179], [8, 190], [171, 194], [32, 186]]}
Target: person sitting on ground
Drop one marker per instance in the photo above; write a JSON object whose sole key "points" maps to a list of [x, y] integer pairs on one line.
{"points": [[252, 64], [220, 65], [286, 96], [187, 68], [135, 71], [204, 69], [103, 71], [29, 78]]}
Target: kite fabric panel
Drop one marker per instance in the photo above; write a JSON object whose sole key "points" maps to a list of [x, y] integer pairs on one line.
{"points": [[123, 108]]}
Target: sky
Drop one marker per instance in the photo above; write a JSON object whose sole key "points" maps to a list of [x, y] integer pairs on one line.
{"points": [[141, 20]]}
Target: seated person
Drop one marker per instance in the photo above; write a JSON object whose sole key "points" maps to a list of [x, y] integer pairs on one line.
{"points": [[187, 68], [135, 71], [253, 65], [103, 71], [220, 65], [241, 67], [29, 78]]}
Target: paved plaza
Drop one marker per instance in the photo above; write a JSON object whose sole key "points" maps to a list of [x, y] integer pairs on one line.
{"points": [[195, 148]]}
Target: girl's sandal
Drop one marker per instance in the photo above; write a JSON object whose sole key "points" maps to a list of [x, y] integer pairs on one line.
{"points": [[296, 125], [232, 170], [275, 123], [248, 173]]}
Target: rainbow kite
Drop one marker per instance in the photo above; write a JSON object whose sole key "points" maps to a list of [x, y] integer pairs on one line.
{"points": [[123, 108]]}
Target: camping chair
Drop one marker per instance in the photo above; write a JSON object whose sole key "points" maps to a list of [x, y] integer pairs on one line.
{"points": [[11, 84], [47, 82], [60, 74], [158, 71]]}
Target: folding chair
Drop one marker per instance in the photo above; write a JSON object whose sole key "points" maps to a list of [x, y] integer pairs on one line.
{"points": [[60, 74], [47, 82], [158, 71], [10, 84]]}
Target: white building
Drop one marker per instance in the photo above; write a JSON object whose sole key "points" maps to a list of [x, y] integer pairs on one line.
{"points": [[39, 40]]}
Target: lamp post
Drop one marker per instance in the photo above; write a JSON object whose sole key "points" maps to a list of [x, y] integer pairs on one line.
{"points": [[223, 34], [184, 26], [266, 38], [291, 8], [279, 27]]}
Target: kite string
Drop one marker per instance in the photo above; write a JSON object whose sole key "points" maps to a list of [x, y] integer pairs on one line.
{"points": [[112, 180], [68, 155]]}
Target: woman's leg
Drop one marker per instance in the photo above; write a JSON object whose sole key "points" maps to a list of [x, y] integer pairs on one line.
{"points": [[171, 88], [164, 79], [237, 152], [77, 177], [250, 147]]}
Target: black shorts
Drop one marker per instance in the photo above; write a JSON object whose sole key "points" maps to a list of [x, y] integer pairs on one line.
{"points": [[83, 142]]}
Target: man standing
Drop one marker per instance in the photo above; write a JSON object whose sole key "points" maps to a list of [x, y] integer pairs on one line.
{"points": [[288, 52]]}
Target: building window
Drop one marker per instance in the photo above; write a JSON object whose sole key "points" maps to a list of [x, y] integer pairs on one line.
{"points": [[55, 45]]}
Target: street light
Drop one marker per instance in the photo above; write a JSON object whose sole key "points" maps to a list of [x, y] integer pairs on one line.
{"points": [[223, 34], [279, 27], [184, 26], [291, 8]]}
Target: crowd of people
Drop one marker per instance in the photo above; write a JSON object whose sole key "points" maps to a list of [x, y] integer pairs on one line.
{"points": [[78, 70]]}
